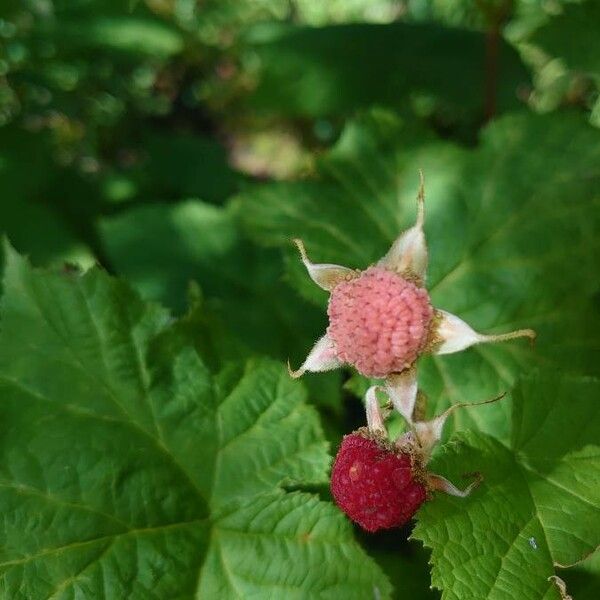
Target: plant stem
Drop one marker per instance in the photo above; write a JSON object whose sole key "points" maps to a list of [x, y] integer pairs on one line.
{"points": [[494, 16]]}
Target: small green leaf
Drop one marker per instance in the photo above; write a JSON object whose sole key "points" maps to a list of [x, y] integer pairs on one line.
{"points": [[129, 470], [538, 505], [132, 35]]}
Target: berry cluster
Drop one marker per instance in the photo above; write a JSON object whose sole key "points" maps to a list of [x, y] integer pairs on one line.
{"points": [[380, 322]]}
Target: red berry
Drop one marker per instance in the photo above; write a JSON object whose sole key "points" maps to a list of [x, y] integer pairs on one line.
{"points": [[375, 484]]}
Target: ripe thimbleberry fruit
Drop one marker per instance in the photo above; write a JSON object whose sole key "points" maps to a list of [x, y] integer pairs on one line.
{"points": [[381, 484], [381, 319], [377, 485]]}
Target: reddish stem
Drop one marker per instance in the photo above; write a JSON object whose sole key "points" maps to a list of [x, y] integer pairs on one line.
{"points": [[495, 17]]}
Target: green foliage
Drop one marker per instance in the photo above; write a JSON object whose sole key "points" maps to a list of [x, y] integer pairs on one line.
{"points": [[132, 462], [573, 36], [217, 21], [240, 283], [583, 581], [153, 453], [537, 505], [31, 188], [332, 70], [79, 68], [182, 166]]}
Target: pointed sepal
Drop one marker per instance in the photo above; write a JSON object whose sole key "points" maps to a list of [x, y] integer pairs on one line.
{"points": [[452, 334], [408, 254], [429, 433], [441, 484], [402, 391], [321, 358], [326, 276], [375, 418]]}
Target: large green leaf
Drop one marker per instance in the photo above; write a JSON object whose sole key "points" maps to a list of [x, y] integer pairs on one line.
{"points": [[160, 248], [128, 470], [512, 228], [336, 69], [538, 505]]}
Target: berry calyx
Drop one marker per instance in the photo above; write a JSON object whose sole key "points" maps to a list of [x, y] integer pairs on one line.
{"points": [[376, 484], [379, 321]]}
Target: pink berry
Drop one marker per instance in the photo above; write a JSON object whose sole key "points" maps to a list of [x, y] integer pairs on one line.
{"points": [[379, 321], [375, 485]]}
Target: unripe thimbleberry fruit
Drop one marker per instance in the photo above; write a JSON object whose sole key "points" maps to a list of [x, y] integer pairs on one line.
{"points": [[377, 485], [379, 321]]}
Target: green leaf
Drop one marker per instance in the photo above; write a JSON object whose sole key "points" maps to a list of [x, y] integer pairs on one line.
{"points": [[538, 505], [32, 188], [160, 248], [292, 547], [573, 36], [132, 35], [337, 69], [512, 228], [583, 580], [528, 201], [129, 470], [363, 195], [182, 166], [404, 562], [107, 27]]}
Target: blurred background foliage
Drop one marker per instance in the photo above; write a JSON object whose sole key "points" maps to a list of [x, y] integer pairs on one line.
{"points": [[161, 138]]}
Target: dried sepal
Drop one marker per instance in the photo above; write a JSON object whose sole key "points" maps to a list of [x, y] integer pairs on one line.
{"points": [[451, 334], [429, 433], [375, 418], [441, 484], [402, 391], [408, 254], [562, 587], [326, 276], [322, 357]]}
